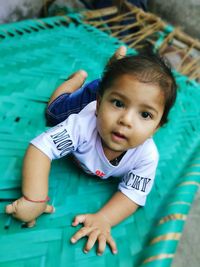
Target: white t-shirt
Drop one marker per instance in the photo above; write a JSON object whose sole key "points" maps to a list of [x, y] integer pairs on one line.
{"points": [[78, 135]]}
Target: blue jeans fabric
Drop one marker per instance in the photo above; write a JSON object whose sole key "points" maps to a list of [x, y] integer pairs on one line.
{"points": [[69, 103]]}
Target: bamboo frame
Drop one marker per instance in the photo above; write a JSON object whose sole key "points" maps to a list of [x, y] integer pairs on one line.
{"points": [[146, 28]]}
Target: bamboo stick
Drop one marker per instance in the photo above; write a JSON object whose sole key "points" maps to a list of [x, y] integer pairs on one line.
{"points": [[179, 34]]}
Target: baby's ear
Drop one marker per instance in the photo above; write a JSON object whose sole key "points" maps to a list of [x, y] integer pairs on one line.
{"points": [[158, 127], [98, 104]]}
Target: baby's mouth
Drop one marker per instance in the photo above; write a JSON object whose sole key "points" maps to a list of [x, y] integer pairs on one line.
{"points": [[118, 136]]}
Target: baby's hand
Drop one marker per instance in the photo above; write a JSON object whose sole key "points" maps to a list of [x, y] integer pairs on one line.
{"points": [[97, 228], [27, 211]]}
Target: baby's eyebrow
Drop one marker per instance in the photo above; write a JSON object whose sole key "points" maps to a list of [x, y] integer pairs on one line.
{"points": [[118, 94], [150, 108]]}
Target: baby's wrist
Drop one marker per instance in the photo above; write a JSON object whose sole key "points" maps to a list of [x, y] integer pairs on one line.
{"points": [[36, 200], [105, 217]]}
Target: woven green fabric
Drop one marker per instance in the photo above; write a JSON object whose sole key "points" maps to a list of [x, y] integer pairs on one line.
{"points": [[36, 56]]}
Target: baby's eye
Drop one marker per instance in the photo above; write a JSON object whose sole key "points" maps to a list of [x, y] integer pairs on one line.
{"points": [[146, 115], [118, 103]]}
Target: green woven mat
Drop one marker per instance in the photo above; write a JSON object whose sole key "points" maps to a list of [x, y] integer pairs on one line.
{"points": [[36, 56]]}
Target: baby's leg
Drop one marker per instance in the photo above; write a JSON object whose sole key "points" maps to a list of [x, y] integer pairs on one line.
{"points": [[70, 98], [73, 83]]}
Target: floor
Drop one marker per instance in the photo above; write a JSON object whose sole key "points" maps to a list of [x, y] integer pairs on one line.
{"points": [[188, 250]]}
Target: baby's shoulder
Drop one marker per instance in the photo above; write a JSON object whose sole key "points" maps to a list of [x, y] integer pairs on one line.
{"points": [[149, 153], [85, 121], [146, 151]]}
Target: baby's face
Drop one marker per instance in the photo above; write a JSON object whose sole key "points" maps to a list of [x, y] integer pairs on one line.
{"points": [[128, 113]]}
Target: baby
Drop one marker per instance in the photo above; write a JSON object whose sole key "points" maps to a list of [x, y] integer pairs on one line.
{"points": [[110, 135]]}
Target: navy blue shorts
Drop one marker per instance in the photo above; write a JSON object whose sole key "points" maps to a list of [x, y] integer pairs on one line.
{"points": [[69, 103]]}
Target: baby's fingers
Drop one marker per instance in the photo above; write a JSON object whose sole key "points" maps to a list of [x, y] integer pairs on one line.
{"points": [[11, 208], [91, 240], [49, 209], [29, 224], [102, 244], [112, 244], [79, 219], [84, 231]]}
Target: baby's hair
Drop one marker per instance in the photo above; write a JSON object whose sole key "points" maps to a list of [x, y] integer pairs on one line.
{"points": [[147, 68]]}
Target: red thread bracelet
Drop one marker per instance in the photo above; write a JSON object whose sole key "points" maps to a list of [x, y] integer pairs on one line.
{"points": [[37, 201]]}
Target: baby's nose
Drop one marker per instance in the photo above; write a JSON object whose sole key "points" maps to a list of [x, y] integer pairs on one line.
{"points": [[127, 119]]}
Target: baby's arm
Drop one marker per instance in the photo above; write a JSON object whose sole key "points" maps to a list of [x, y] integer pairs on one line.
{"points": [[123, 203], [98, 226], [36, 169]]}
